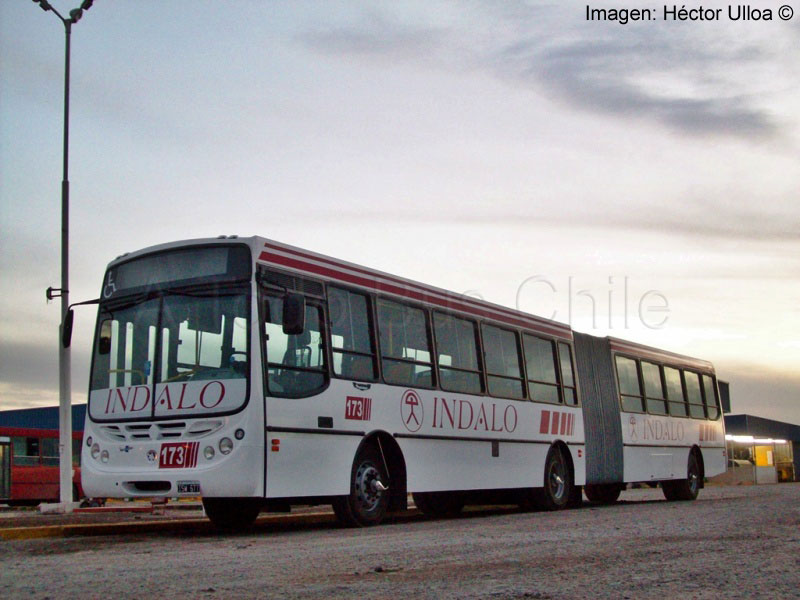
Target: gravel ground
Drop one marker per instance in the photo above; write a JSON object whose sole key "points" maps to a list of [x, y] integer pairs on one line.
{"points": [[33, 518], [733, 542]]}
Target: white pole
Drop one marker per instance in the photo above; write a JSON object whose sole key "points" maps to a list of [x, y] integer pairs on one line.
{"points": [[64, 358]]}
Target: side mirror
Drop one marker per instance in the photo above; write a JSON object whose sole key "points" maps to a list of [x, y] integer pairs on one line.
{"points": [[104, 342], [294, 314], [66, 328]]}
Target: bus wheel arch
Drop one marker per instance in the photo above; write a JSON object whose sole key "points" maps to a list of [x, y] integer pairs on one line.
{"points": [[396, 466], [378, 468]]}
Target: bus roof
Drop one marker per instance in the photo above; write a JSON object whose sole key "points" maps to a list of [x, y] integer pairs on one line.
{"points": [[656, 354], [331, 269], [307, 262]]}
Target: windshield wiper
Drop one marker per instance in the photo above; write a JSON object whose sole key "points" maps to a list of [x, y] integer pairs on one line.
{"points": [[122, 303], [203, 292]]}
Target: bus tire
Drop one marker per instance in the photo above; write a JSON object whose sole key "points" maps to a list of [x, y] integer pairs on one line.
{"points": [[366, 504], [232, 514], [684, 489], [602, 493], [555, 494], [438, 504]]}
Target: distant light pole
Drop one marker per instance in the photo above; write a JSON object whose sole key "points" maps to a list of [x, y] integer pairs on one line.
{"points": [[64, 367]]}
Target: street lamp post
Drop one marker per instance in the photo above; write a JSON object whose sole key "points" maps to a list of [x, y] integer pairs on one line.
{"points": [[64, 366]]}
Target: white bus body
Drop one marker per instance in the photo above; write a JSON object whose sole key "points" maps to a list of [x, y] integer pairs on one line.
{"points": [[387, 387]]}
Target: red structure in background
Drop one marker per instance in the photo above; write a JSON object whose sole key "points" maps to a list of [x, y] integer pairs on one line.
{"points": [[29, 457]]}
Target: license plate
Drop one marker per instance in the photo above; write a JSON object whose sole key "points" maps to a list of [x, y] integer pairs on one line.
{"points": [[189, 487], [178, 455]]}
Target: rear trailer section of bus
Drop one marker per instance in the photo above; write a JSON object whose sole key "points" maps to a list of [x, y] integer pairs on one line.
{"points": [[169, 410], [652, 416]]}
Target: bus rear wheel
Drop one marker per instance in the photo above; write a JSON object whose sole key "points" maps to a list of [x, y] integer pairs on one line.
{"points": [[438, 504], [555, 494], [232, 514], [684, 489], [368, 500], [602, 493]]}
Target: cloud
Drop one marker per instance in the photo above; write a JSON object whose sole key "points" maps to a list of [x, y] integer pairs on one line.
{"points": [[376, 35], [616, 76], [700, 83], [695, 219], [35, 365]]}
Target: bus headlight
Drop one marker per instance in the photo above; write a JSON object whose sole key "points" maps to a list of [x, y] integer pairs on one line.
{"points": [[225, 445], [95, 451], [89, 442], [208, 452], [104, 456]]}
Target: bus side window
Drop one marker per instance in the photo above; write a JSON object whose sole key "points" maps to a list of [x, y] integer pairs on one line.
{"points": [[653, 388], [351, 335], [677, 402], [540, 362], [295, 362], [405, 347], [694, 395], [76, 452], [49, 452], [503, 363], [457, 354], [630, 390], [710, 397], [567, 375], [26, 451]]}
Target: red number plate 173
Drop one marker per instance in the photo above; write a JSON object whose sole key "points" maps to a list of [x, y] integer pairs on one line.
{"points": [[178, 455]]}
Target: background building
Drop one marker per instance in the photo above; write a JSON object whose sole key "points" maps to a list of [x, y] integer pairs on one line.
{"points": [[762, 450]]}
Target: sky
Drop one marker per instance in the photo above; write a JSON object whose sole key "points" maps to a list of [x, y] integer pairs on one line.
{"points": [[638, 180]]}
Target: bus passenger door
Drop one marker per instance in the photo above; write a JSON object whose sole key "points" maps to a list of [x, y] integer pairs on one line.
{"points": [[5, 468]]}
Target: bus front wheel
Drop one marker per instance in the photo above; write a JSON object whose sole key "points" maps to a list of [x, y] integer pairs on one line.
{"points": [[234, 514], [368, 500]]}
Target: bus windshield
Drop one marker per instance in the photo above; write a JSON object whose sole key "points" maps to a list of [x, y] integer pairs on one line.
{"points": [[174, 353]]}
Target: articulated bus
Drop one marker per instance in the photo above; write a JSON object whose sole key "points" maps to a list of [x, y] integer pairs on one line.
{"points": [[260, 376]]}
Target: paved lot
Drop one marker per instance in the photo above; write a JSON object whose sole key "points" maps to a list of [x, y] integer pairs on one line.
{"points": [[733, 542]]}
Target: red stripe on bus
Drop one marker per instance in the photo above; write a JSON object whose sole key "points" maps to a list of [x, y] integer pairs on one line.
{"points": [[406, 293], [544, 422], [564, 330], [564, 419], [554, 428], [193, 454]]}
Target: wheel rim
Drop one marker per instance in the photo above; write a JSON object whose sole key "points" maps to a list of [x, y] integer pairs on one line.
{"points": [[694, 478], [368, 496], [557, 478]]}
